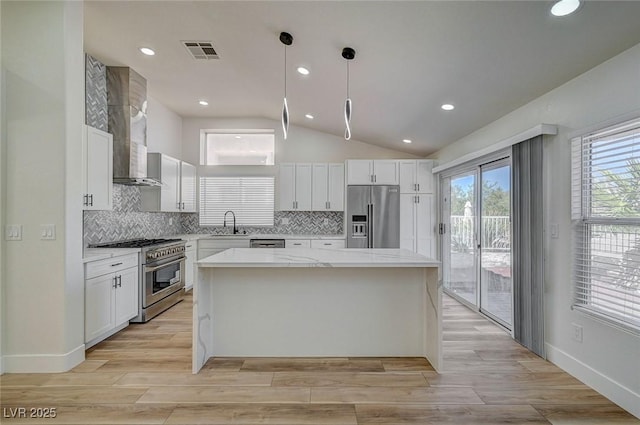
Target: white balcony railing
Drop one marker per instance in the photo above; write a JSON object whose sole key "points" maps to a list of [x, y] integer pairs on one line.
{"points": [[496, 233]]}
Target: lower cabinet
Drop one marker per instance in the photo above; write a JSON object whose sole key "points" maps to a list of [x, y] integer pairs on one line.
{"points": [[111, 296], [190, 253], [327, 243]]}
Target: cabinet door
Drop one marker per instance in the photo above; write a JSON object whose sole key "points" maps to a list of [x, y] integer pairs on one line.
{"points": [[385, 171], [407, 221], [303, 187], [425, 226], [126, 295], [170, 190], [286, 187], [187, 187], [359, 171], [407, 171], [98, 169], [190, 258], [336, 187], [424, 176], [320, 189], [98, 301]]}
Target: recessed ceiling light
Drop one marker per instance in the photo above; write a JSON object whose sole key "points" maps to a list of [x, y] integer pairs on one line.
{"points": [[448, 107], [302, 70], [406, 141], [238, 137], [565, 7], [147, 51], [309, 116], [203, 103]]}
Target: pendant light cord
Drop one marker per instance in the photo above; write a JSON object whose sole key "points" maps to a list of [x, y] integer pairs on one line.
{"points": [[285, 71], [347, 79]]}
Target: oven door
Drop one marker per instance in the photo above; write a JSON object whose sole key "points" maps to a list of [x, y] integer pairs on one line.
{"points": [[161, 280]]}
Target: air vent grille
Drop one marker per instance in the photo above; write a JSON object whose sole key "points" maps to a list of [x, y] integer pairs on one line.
{"points": [[201, 50]]}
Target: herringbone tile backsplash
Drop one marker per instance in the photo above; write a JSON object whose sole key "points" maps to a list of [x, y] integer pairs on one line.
{"points": [[95, 93], [127, 221]]}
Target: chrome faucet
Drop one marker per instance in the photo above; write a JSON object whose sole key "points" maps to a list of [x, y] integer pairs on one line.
{"points": [[235, 229]]}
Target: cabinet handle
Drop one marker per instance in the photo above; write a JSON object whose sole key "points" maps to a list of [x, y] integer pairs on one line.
{"points": [[418, 187], [116, 264], [115, 281], [188, 246], [85, 199], [375, 178], [418, 199], [91, 200], [326, 244], [371, 178], [120, 281], [183, 205]]}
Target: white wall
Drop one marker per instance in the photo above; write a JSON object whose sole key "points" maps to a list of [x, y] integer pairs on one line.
{"points": [[43, 72], [164, 129], [302, 144], [608, 358]]}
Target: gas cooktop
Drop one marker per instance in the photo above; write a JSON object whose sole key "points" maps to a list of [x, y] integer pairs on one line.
{"points": [[134, 243]]}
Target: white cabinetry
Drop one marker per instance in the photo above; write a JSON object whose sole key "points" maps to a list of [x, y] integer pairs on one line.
{"points": [[327, 243], [416, 176], [417, 223], [328, 187], [297, 243], [190, 253], [187, 187], [294, 187], [376, 171], [178, 190], [97, 169], [111, 296], [207, 247]]}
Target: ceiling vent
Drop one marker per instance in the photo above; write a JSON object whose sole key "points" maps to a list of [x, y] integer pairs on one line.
{"points": [[201, 50]]}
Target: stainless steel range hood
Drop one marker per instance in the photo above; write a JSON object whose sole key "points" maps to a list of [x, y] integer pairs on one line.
{"points": [[127, 113]]}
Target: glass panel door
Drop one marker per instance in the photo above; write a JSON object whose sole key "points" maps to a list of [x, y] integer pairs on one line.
{"points": [[459, 247], [496, 291]]}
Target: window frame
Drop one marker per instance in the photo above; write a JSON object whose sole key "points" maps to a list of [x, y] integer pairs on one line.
{"points": [[204, 152], [585, 221]]}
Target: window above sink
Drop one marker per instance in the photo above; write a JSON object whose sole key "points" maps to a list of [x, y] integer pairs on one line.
{"points": [[237, 147]]}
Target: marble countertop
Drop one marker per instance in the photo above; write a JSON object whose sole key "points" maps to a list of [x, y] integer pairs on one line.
{"points": [[195, 236], [95, 254], [310, 257]]}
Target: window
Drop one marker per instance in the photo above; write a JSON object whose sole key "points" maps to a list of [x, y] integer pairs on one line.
{"points": [[606, 214], [250, 199], [249, 147]]}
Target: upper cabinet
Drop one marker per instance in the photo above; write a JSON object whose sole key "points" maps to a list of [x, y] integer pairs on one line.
{"points": [[416, 176], [328, 187], [187, 187], [97, 169], [294, 187], [168, 197], [376, 171]]}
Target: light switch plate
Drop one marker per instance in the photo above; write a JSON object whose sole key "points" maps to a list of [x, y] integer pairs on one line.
{"points": [[284, 221], [47, 232], [13, 232], [555, 230], [326, 222]]}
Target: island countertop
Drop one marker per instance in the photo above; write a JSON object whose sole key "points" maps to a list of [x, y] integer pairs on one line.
{"points": [[316, 257]]}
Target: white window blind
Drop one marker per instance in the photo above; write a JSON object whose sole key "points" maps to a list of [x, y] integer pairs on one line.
{"points": [[605, 207], [250, 198]]}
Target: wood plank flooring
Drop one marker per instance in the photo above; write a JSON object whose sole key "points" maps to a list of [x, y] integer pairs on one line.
{"points": [[142, 375]]}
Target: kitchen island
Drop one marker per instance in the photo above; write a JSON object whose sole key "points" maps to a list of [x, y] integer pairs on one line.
{"points": [[317, 303]]}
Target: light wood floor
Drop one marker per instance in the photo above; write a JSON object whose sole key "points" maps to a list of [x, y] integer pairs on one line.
{"points": [[142, 376]]}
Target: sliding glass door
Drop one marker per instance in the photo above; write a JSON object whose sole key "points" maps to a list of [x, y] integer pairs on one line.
{"points": [[476, 238]]}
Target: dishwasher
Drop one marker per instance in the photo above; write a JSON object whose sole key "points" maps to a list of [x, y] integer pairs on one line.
{"points": [[266, 243]]}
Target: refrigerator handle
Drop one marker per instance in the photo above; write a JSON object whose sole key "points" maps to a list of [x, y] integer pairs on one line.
{"points": [[371, 241]]}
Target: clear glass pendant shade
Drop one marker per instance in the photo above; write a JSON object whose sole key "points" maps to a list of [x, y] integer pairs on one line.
{"points": [[347, 118], [285, 118]]}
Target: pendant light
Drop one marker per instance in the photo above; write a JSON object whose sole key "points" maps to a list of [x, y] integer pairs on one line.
{"points": [[287, 40], [348, 53]]}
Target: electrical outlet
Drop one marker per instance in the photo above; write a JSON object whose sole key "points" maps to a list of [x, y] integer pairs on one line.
{"points": [[326, 221], [170, 221], [555, 230], [13, 232], [577, 332], [284, 221]]}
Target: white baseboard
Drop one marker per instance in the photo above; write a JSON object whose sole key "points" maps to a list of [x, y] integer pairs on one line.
{"points": [[43, 363], [614, 391]]}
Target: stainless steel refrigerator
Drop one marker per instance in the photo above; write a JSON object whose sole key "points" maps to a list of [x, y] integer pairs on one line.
{"points": [[373, 216]]}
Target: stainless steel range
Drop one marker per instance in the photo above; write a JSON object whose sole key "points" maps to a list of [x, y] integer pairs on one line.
{"points": [[162, 268]]}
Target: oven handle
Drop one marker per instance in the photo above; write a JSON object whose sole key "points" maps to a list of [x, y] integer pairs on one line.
{"points": [[148, 269]]}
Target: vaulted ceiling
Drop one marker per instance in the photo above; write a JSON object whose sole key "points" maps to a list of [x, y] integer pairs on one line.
{"points": [[486, 58]]}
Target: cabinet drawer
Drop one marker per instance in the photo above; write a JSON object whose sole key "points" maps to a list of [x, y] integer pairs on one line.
{"points": [[223, 243], [297, 243], [327, 243], [109, 265]]}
